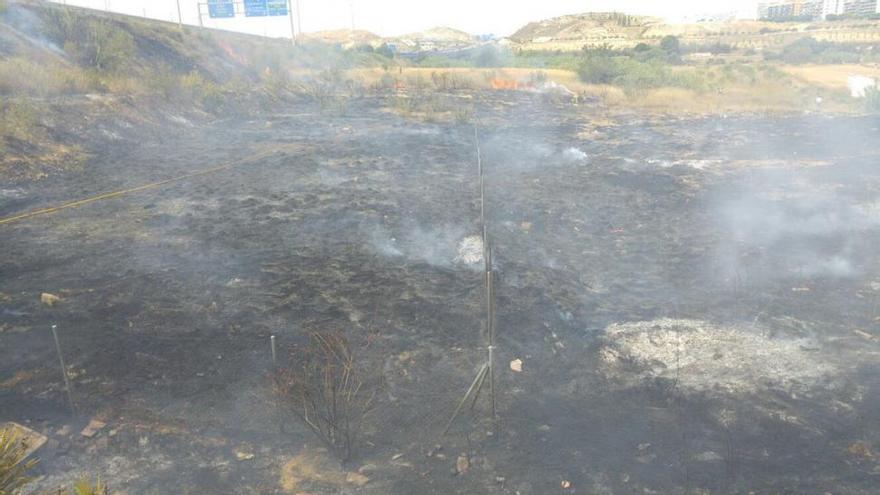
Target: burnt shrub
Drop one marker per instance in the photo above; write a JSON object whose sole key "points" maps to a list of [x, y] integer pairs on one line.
{"points": [[329, 390]]}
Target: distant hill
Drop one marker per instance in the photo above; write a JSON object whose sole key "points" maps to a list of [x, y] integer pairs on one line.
{"points": [[346, 38], [601, 25], [442, 34], [573, 32]]}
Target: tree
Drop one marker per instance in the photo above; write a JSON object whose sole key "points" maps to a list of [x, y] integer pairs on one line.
{"points": [[671, 45]]}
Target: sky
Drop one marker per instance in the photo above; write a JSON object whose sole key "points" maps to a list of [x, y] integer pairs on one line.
{"points": [[395, 17]]}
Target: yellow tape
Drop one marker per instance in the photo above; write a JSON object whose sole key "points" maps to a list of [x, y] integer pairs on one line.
{"points": [[115, 194]]}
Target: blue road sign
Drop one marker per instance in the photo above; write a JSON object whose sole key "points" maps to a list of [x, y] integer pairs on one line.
{"points": [[265, 8], [221, 9], [277, 7]]}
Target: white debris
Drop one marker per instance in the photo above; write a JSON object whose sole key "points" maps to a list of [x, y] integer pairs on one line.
{"points": [[470, 250], [516, 365], [859, 85], [574, 155], [700, 356]]}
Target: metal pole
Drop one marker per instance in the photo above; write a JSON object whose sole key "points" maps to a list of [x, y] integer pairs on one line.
{"points": [[201, 22], [274, 355], [179, 17], [290, 15], [299, 24], [63, 368]]}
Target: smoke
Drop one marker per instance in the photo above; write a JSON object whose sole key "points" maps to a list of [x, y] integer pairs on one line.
{"points": [[527, 155], [28, 25], [781, 226], [445, 246]]}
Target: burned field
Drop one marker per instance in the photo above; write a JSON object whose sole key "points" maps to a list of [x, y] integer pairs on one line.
{"points": [[694, 302]]}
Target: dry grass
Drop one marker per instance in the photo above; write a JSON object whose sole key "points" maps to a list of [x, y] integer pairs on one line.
{"points": [[739, 89], [830, 76], [13, 468]]}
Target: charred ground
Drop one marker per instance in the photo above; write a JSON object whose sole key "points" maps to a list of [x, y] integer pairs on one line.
{"points": [[352, 222]]}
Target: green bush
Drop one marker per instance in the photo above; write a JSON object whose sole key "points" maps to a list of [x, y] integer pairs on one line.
{"points": [[600, 69], [94, 43], [809, 50]]}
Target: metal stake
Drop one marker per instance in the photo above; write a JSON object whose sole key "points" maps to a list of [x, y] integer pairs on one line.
{"points": [[63, 369], [477, 381], [274, 355]]}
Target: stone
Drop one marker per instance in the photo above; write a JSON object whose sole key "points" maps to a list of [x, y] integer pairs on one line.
{"points": [[49, 299], [93, 428], [462, 464], [356, 479]]}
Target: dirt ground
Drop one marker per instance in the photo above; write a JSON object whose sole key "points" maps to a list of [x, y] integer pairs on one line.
{"points": [[694, 301]]}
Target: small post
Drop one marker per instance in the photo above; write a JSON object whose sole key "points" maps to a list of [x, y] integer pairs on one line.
{"points": [[63, 368], [201, 21], [274, 354], [179, 17]]}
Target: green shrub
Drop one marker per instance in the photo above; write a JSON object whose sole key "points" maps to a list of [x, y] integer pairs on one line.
{"points": [[94, 43], [671, 45], [600, 69]]}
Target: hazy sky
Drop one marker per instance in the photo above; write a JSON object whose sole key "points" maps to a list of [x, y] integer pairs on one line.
{"points": [[391, 17]]}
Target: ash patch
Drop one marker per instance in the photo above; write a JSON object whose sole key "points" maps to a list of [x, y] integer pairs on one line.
{"points": [[702, 357], [470, 250]]}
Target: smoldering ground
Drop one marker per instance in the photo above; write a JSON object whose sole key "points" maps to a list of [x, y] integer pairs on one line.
{"points": [[169, 300]]}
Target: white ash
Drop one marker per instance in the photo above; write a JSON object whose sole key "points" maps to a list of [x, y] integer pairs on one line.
{"points": [[701, 356], [574, 155], [470, 250]]}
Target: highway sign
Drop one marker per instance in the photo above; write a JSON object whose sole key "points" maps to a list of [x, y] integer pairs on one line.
{"points": [[265, 8], [221, 9]]}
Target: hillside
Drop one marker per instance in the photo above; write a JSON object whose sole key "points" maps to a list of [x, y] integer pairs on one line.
{"points": [[573, 32], [63, 66]]}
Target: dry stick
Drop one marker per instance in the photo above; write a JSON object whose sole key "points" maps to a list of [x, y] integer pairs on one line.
{"points": [[63, 369], [464, 399]]}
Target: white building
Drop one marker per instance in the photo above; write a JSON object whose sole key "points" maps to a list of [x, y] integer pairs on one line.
{"points": [[819, 9], [833, 7]]}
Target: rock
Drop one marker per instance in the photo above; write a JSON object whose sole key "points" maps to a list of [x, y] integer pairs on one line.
{"points": [[462, 464], [708, 456], [565, 484], [49, 299], [93, 428], [516, 365], [368, 469], [244, 456], [63, 431], [356, 479], [860, 449]]}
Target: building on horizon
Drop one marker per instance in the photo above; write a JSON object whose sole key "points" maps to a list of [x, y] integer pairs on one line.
{"points": [[815, 9]]}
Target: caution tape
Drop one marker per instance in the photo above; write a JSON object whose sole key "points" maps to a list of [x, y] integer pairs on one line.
{"points": [[124, 192]]}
